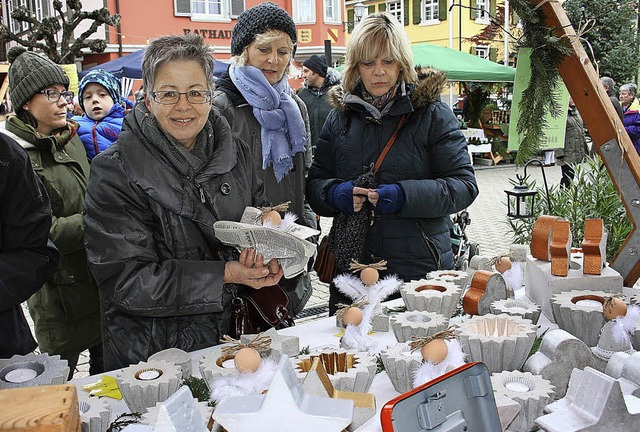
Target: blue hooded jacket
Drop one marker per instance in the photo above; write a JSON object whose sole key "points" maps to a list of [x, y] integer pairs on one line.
{"points": [[98, 135]]}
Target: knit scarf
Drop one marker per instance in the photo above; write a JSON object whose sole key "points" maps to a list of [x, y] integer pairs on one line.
{"points": [[283, 131], [185, 162], [379, 101]]}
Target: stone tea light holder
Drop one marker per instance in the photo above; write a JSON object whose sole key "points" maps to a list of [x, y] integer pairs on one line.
{"points": [[151, 415], [426, 295], [502, 342], [401, 365], [608, 345], [348, 370], [175, 356], [418, 324], [95, 412], [532, 392], [520, 307], [147, 383], [460, 278], [579, 312], [33, 370]]}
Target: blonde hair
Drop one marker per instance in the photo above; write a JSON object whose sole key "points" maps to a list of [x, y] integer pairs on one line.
{"points": [[264, 39], [378, 34]]}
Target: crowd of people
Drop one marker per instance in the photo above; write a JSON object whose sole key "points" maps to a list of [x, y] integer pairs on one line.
{"points": [[106, 226]]}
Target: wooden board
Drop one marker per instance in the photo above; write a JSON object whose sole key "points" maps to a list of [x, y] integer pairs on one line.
{"points": [[40, 409], [606, 129]]}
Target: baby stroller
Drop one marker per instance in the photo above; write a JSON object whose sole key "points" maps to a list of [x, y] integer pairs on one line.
{"points": [[463, 250]]}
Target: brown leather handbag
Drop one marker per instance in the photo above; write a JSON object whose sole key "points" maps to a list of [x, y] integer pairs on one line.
{"points": [[257, 310], [325, 264]]}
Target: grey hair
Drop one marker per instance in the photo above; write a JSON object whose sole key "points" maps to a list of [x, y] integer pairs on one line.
{"points": [[189, 47], [379, 34], [607, 81], [629, 88]]}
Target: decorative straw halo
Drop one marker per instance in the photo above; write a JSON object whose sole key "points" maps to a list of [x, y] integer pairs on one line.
{"points": [[417, 343], [260, 343]]}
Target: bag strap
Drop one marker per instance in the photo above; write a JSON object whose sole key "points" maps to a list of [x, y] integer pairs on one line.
{"points": [[386, 148]]}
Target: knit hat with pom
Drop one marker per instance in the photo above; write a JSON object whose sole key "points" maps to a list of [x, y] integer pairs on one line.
{"points": [[29, 73], [260, 19], [105, 79]]}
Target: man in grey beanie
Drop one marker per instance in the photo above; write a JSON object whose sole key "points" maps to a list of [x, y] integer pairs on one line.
{"points": [[318, 80]]}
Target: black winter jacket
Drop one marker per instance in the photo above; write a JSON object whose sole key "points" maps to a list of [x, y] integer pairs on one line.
{"points": [[149, 232], [429, 160], [318, 105], [26, 258]]}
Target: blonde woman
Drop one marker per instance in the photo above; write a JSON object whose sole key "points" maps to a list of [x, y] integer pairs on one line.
{"points": [[399, 212], [263, 110]]}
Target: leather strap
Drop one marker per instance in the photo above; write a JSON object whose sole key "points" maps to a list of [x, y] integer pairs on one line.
{"points": [[386, 148]]}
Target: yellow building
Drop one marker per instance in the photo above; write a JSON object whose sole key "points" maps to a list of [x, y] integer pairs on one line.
{"points": [[431, 21]]}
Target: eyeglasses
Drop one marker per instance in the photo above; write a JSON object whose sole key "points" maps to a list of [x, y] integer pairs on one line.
{"points": [[171, 97], [54, 96]]}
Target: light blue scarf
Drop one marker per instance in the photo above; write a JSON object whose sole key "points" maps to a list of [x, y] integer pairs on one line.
{"points": [[283, 131]]}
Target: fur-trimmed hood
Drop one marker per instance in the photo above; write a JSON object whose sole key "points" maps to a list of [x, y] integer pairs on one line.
{"points": [[430, 85]]}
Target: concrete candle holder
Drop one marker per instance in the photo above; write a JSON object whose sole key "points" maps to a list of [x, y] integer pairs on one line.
{"points": [[288, 345], [175, 356], [532, 392], [95, 412], [485, 288], [579, 312], [418, 324], [425, 295], [33, 370], [559, 353], [460, 278], [151, 415], [401, 364], [147, 383], [502, 342], [626, 369], [520, 307], [348, 370], [608, 346]]}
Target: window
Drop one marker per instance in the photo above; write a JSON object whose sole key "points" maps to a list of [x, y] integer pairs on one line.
{"points": [[482, 11], [395, 9], [210, 8], [304, 11], [332, 11], [430, 11], [482, 51]]}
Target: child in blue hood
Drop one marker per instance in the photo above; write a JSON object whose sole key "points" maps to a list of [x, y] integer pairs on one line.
{"points": [[104, 110]]}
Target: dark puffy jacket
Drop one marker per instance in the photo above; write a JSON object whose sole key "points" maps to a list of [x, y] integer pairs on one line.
{"points": [[98, 135], [26, 260], [318, 104], [148, 242], [66, 311], [245, 126], [575, 145], [429, 160], [631, 122]]}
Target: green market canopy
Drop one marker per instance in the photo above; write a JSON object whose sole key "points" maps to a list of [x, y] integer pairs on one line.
{"points": [[461, 66]]}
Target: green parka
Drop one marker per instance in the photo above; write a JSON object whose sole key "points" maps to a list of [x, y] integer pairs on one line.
{"points": [[66, 311]]}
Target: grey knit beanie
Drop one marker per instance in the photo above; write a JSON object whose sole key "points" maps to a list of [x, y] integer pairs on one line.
{"points": [[260, 19], [29, 73]]}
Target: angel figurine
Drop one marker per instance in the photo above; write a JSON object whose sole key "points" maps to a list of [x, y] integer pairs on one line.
{"points": [[269, 217], [622, 318], [254, 373], [441, 352], [368, 287], [357, 321]]}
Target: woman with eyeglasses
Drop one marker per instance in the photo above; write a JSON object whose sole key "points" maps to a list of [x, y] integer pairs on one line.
{"points": [[66, 311], [153, 197], [263, 110]]}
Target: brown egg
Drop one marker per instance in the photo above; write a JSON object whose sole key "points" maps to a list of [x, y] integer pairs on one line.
{"points": [[435, 351], [247, 360], [369, 276], [273, 217], [503, 264], [619, 308], [352, 316]]}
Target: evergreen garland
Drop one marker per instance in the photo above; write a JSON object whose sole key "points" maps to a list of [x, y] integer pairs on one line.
{"points": [[539, 97]]}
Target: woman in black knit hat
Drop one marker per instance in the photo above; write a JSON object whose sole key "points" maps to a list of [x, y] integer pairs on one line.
{"points": [[263, 110], [66, 311]]}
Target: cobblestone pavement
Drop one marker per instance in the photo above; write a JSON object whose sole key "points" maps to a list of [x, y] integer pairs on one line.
{"points": [[488, 228]]}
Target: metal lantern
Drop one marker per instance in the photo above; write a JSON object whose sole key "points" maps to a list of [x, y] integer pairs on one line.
{"points": [[521, 199], [358, 11]]}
